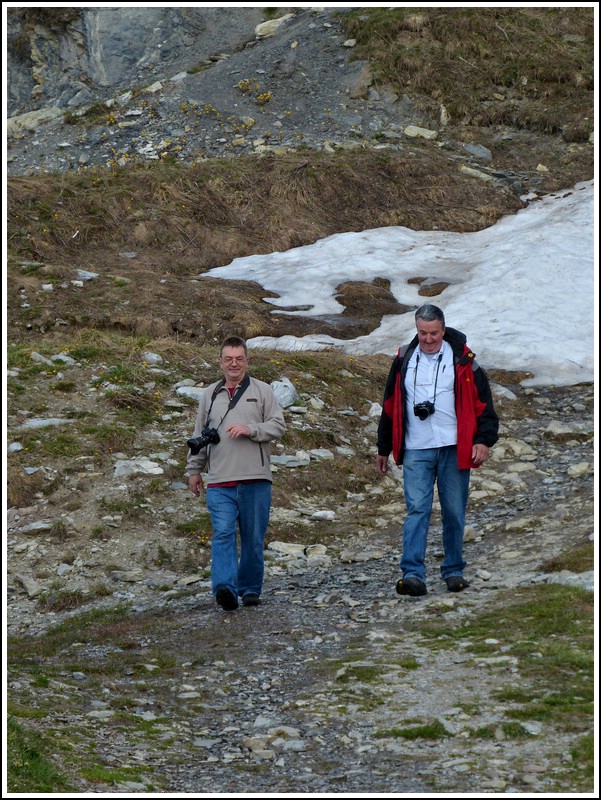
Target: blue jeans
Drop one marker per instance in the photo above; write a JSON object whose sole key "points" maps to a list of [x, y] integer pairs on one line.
{"points": [[242, 509], [421, 470]]}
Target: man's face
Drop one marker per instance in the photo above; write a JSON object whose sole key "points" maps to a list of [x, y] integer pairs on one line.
{"points": [[233, 363], [430, 335]]}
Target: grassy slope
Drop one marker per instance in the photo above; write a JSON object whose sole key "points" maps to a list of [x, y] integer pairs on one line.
{"points": [[528, 70]]}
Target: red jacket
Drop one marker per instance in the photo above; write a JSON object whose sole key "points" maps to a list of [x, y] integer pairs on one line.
{"points": [[477, 420]]}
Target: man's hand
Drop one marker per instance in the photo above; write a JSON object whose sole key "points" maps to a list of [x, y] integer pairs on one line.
{"points": [[479, 453], [195, 485], [234, 431], [382, 464]]}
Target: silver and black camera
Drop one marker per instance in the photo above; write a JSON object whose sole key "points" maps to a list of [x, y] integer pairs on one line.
{"points": [[207, 436], [423, 410]]}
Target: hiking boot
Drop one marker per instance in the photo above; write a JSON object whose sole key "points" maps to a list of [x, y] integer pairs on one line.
{"points": [[411, 586], [456, 583], [251, 599], [226, 599]]}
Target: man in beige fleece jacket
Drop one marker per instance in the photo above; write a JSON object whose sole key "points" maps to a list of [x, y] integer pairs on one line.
{"points": [[238, 416]]}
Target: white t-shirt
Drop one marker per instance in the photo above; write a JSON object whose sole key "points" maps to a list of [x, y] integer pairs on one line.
{"points": [[431, 377]]}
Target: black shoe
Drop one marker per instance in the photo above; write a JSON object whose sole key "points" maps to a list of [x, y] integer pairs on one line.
{"points": [[412, 586], [456, 583], [226, 599], [251, 599]]}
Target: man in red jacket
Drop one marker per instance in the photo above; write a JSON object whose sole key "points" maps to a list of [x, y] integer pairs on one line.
{"points": [[438, 421]]}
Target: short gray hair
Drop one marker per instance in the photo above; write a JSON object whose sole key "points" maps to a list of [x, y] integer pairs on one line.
{"points": [[430, 313]]}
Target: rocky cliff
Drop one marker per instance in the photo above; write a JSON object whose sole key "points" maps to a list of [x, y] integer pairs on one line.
{"points": [[66, 57], [94, 87]]}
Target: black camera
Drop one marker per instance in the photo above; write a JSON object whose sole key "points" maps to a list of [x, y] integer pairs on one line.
{"points": [[207, 436], [423, 410]]}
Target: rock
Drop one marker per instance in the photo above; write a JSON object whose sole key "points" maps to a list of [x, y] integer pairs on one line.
{"points": [[31, 586], [285, 392], [194, 392], [143, 466], [562, 430], [86, 275], [129, 576], [580, 470], [414, 131], [42, 526], [271, 26], [480, 152], [39, 359], [100, 714], [584, 580], [321, 453], [298, 460], [375, 411], [38, 422], [31, 120], [502, 391], [348, 556], [63, 358], [475, 173], [152, 358], [287, 548]]}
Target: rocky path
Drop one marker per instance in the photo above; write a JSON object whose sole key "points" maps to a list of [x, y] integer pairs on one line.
{"points": [[314, 690], [304, 693]]}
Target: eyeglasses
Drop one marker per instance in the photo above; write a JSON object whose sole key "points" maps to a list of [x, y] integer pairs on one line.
{"points": [[228, 360]]}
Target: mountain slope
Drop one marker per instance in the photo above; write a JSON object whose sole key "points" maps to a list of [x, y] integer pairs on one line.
{"points": [[117, 655]]}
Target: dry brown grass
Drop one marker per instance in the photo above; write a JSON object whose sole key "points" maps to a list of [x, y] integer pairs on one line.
{"points": [[22, 488], [533, 65], [204, 216], [527, 71], [207, 215]]}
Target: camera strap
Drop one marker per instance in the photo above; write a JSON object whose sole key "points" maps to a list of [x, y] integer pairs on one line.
{"points": [[439, 359], [237, 395]]}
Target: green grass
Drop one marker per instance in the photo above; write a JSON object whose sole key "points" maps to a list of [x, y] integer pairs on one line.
{"points": [[505, 730], [115, 626], [64, 386], [583, 756], [163, 556], [60, 637], [580, 558], [107, 438], [56, 443], [29, 769], [64, 599], [430, 730], [198, 527], [549, 630], [20, 711], [111, 776], [463, 56], [408, 662], [129, 507], [18, 355], [363, 673]]}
